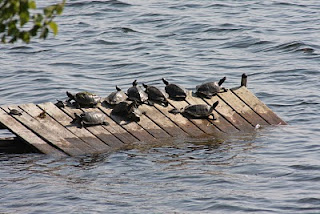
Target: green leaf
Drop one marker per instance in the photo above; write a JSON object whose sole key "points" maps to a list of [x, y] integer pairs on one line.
{"points": [[2, 27], [32, 4], [60, 8], [25, 36], [54, 27], [24, 17], [48, 11]]}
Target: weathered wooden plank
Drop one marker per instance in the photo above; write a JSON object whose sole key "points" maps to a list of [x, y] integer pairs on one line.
{"points": [[131, 127], [258, 106], [83, 134], [162, 121], [113, 128], [239, 106], [221, 123], [27, 135], [48, 133], [181, 121], [57, 128], [155, 130], [229, 114]]}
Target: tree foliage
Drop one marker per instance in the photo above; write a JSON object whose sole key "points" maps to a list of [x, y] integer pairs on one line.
{"points": [[21, 20]]}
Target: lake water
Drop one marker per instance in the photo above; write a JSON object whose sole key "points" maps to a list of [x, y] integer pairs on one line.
{"points": [[104, 43]]}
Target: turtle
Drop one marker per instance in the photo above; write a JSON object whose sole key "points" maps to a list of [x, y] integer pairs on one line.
{"points": [[197, 110], [60, 104], [156, 95], [90, 118], [175, 92], [14, 111], [84, 99], [116, 97], [209, 89], [128, 110], [137, 93]]}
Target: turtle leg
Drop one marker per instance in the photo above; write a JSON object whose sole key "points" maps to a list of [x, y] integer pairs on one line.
{"points": [[213, 117], [77, 105], [222, 90], [150, 103], [105, 123], [81, 125], [174, 111], [165, 103]]}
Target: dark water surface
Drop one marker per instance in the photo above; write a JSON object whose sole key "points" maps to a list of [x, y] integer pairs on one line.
{"points": [[104, 43]]}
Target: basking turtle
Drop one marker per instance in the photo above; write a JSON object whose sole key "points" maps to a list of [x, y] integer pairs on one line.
{"points": [[116, 97], [210, 89], [84, 99], [197, 111], [14, 111], [60, 104], [90, 118], [128, 110], [176, 92], [137, 93], [156, 95]]}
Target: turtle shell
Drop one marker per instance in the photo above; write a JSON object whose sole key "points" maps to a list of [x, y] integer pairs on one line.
{"points": [[121, 108], [116, 97], [198, 110], [155, 94], [175, 91], [93, 118], [208, 89], [128, 110], [87, 98], [137, 93]]}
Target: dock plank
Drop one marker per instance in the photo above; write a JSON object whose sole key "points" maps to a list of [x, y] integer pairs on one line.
{"points": [[83, 134], [162, 121], [45, 131], [258, 106], [231, 115], [155, 130], [186, 125], [27, 135], [241, 108], [59, 130], [113, 127], [132, 127]]}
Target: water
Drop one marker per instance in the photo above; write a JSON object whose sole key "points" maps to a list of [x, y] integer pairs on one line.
{"points": [[104, 43]]}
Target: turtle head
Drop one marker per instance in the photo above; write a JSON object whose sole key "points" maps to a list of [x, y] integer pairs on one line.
{"points": [[165, 81], [214, 105], [135, 83], [222, 81], [144, 85], [118, 89], [71, 96], [77, 119]]}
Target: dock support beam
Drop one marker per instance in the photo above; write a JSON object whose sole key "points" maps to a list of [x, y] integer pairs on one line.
{"points": [[244, 80]]}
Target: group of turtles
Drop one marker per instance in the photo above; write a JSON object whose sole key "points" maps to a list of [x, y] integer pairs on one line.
{"points": [[127, 104]]}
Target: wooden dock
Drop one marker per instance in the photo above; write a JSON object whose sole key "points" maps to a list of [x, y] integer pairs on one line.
{"points": [[48, 130]]}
